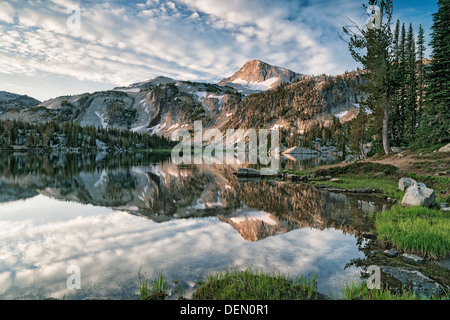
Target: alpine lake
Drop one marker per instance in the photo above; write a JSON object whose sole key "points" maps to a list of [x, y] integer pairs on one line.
{"points": [[123, 218]]}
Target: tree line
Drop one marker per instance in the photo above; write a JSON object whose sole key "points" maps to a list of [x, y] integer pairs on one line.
{"points": [[408, 96], [55, 135]]}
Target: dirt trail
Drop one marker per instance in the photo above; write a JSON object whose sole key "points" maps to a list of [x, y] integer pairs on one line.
{"points": [[405, 163], [428, 164]]}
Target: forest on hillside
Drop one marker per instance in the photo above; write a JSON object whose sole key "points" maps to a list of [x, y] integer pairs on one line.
{"points": [[68, 135]]}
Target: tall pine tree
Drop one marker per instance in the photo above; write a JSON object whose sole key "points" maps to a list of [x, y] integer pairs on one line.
{"points": [[420, 72], [410, 86], [372, 48], [435, 124], [395, 111], [401, 94]]}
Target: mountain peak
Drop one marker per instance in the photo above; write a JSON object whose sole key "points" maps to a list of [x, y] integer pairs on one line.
{"points": [[257, 75]]}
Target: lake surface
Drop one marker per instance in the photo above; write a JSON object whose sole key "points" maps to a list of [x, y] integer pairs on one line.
{"points": [[121, 218]]}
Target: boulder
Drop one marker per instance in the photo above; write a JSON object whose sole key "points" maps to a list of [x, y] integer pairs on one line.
{"points": [[445, 148], [405, 183], [248, 172], [418, 195]]}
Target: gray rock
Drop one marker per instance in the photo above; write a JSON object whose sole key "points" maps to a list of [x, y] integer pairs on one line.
{"points": [[396, 150], [418, 195], [420, 184], [248, 172], [335, 180], [419, 283], [391, 253], [445, 148], [405, 183], [412, 258]]}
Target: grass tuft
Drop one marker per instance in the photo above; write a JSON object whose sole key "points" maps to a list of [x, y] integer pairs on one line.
{"points": [[159, 288], [416, 229], [360, 291], [253, 285]]}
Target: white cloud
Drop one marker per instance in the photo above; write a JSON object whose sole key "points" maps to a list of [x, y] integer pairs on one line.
{"points": [[41, 237], [184, 39], [7, 12]]}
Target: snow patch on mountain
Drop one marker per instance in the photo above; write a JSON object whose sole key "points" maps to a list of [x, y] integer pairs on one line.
{"points": [[258, 86], [102, 119], [341, 115], [255, 216], [157, 129], [140, 128]]}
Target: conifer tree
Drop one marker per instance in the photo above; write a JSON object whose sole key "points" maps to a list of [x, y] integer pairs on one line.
{"points": [[410, 85], [435, 124], [372, 48], [420, 71], [398, 79]]}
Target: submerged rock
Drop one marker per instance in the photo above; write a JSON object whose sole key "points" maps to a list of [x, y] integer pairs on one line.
{"points": [[412, 258], [419, 283]]}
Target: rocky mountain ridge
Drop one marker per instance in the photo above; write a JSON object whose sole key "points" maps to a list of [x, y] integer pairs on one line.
{"points": [[256, 76], [11, 101], [259, 95]]}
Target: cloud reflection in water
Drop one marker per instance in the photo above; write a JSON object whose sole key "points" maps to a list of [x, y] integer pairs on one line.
{"points": [[41, 237]]}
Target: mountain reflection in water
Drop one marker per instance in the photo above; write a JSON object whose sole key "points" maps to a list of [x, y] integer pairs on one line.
{"points": [[191, 209]]}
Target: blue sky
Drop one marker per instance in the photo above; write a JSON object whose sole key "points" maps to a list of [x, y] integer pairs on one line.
{"points": [[122, 42]]}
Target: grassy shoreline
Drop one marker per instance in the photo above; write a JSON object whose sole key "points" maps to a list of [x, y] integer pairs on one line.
{"points": [[254, 285], [239, 285], [383, 177], [418, 230]]}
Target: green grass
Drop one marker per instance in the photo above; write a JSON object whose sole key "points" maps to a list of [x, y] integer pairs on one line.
{"points": [[234, 284], [358, 169], [385, 185], [252, 285], [360, 291], [359, 175], [417, 229], [158, 291]]}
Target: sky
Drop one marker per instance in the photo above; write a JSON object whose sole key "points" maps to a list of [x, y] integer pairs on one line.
{"points": [[50, 48]]}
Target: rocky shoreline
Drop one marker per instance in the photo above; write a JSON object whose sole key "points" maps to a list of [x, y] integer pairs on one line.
{"points": [[400, 269]]}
